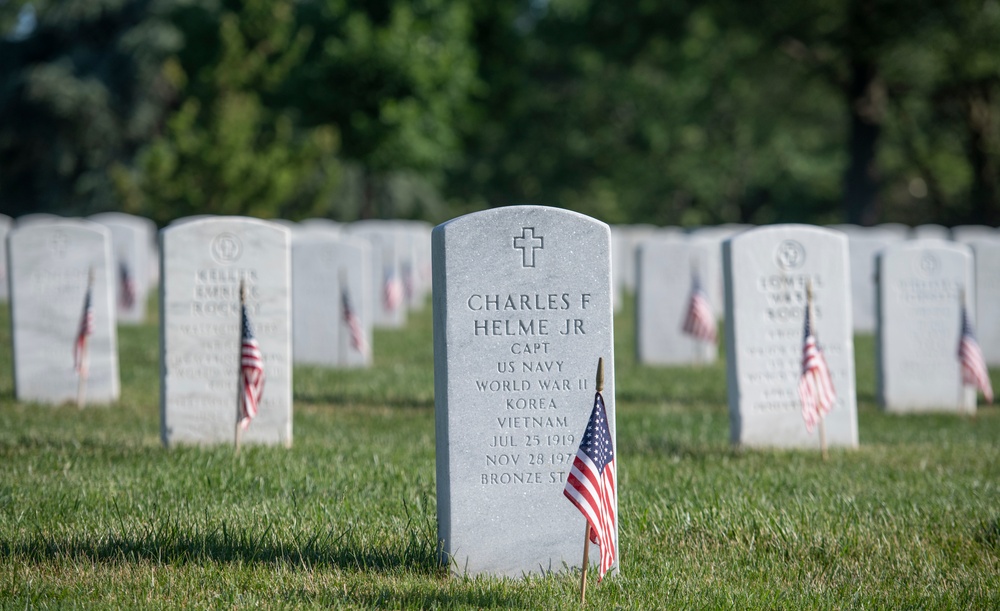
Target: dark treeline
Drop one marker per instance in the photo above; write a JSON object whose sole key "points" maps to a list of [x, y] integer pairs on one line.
{"points": [[669, 113]]}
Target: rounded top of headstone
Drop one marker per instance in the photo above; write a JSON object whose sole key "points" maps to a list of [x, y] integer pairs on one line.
{"points": [[967, 233], [209, 220], [36, 218], [119, 217], [59, 236], [929, 255], [931, 231], [319, 239], [764, 232], [788, 246], [521, 213], [59, 222], [982, 241], [188, 219], [718, 232], [228, 237], [927, 244]]}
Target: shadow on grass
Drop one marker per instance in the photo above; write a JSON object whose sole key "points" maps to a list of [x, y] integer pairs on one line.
{"points": [[345, 398], [661, 446], [166, 543], [73, 442], [989, 534]]}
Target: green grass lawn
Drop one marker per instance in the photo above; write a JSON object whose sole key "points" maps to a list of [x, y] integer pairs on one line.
{"points": [[95, 513]]}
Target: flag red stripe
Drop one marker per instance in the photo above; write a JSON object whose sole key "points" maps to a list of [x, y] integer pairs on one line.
{"points": [[974, 371], [816, 390], [700, 320], [251, 372]]}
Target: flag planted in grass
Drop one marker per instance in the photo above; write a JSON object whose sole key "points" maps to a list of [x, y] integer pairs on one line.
{"points": [[699, 322], [126, 288], [591, 485], [251, 371], [84, 330], [974, 370], [815, 385], [353, 323], [392, 290]]}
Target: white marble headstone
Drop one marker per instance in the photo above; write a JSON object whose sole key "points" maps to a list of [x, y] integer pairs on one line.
{"points": [[666, 266], [130, 239], [919, 326], [203, 262], [767, 273], [970, 233], [522, 312], [50, 263], [415, 261], [387, 288], [716, 235], [863, 244], [325, 267], [986, 256], [38, 218], [931, 232], [625, 239]]}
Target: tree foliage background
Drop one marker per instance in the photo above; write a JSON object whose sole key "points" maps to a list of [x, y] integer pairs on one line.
{"points": [[669, 113]]}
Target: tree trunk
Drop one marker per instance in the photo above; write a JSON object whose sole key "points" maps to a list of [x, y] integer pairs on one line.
{"points": [[985, 191], [368, 196], [860, 179]]}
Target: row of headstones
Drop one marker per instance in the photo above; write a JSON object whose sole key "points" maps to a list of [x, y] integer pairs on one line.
{"points": [[517, 338], [922, 287], [53, 261], [522, 313], [399, 258], [133, 250], [523, 310], [863, 244]]}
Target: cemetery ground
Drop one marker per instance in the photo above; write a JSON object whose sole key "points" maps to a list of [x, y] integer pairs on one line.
{"points": [[95, 512]]}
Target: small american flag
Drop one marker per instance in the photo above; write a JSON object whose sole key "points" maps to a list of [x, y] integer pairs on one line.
{"points": [[126, 287], [591, 484], [392, 291], [973, 365], [251, 371], [84, 331], [815, 386], [353, 323], [699, 321]]}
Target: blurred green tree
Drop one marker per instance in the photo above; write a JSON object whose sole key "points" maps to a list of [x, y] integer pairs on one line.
{"points": [[644, 112], [691, 113], [395, 77], [227, 148], [81, 90]]}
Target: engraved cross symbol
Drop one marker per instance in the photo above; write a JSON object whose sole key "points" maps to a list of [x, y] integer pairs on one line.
{"points": [[528, 243]]}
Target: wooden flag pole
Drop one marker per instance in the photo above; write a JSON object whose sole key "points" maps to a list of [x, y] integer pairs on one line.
{"points": [[586, 562], [239, 368], [961, 387], [586, 531], [822, 439], [822, 420], [81, 383]]}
